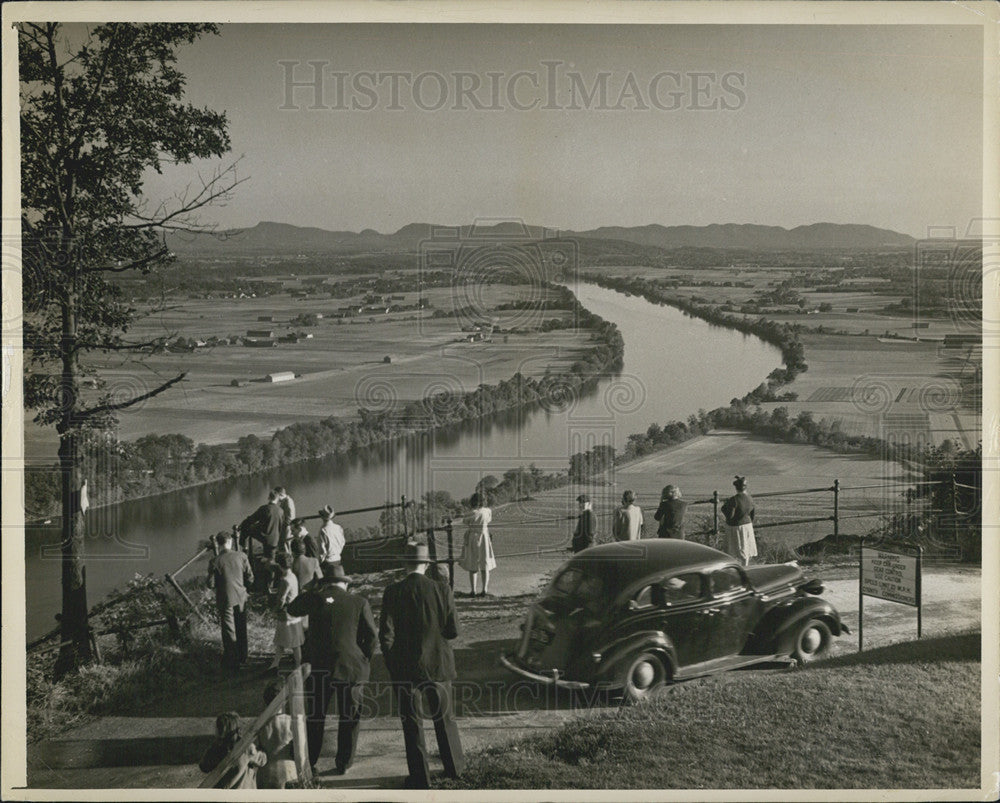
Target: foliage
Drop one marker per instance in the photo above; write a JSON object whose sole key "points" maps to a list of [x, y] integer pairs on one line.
{"points": [[100, 107]]}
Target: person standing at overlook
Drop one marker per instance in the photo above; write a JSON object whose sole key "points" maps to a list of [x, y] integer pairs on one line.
{"points": [[628, 524], [670, 513], [229, 573], [583, 535], [739, 513], [331, 538], [477, 549]]}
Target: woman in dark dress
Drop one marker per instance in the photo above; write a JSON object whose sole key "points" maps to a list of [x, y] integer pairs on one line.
{"points": [[670, 513]]}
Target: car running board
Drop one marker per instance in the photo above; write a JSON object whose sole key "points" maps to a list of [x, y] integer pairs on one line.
{"points": [[725, 664]]}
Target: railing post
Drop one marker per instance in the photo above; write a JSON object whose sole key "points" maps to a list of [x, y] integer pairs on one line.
{"points": [[836, 508], [297, 709], [451, 553], [402, 507], [715, 512]]}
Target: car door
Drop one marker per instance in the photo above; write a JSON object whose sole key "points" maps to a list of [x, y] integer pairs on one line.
{"points": [[680, 600], [729, 614]]}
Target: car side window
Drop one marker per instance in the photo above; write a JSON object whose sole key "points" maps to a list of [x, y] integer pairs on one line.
{"points": [[726, 579], [644, 599], [682, 588]]}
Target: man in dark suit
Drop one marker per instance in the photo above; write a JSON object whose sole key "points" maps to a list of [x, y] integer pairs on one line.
{"points": [[341, 643], [417, 621], [265, 524], [229, 573]]}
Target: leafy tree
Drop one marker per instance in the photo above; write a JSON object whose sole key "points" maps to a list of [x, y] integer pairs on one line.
{"points": [[101, 107]]}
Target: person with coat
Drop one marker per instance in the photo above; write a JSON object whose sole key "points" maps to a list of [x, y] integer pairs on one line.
{"points": [[477, 548], [583, 535], [341, 642], [629, 523], [417, 622], [289, 633], [739, 513], [265, 525], [301, 535], [670, 513], [229, 573]]}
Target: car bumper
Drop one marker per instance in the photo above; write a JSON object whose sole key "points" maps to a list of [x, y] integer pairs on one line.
{"points": [[548, 680]]}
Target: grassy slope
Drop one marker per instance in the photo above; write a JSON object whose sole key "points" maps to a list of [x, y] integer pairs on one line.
{"points": [[874, 720]]}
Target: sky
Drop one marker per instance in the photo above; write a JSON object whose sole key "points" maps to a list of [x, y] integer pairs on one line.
{"points": [[775, 125]]}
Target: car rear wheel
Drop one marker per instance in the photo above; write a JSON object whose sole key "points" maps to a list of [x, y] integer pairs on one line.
{"points": [[644, 676], [813, 641]]}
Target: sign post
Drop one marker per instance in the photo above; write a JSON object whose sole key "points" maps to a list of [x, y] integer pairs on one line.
{"points": [[890, 571]]}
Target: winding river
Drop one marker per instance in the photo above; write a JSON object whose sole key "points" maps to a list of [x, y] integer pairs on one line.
{"points": [[674, 365]]}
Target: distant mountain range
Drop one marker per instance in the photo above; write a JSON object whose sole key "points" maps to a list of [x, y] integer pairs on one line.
{"points": [[284, 238]]}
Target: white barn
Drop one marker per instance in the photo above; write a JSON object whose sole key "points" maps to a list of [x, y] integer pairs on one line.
{"points": [[281, 376]]}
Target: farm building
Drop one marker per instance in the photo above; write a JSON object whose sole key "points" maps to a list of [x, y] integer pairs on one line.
{"points": [[260, 342], [267, 333], [280, 376], [265, 318]]}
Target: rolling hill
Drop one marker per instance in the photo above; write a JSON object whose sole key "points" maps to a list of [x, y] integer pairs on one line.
{"points": [[284, 238]]}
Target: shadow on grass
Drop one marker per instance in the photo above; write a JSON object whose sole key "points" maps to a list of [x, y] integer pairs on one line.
{"points": [[959, 647]]}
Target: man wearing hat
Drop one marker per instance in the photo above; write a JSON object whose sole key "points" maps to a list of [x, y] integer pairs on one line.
{"points": [[229, 573], [331, 537], [341, 643], [417, 622], [583, 536]]}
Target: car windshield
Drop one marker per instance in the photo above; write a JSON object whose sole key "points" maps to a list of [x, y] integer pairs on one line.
{"points": [[579, 587]]}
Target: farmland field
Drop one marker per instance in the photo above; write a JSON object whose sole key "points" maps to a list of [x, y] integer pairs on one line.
{"points": [[339, 369], [873, 387]]}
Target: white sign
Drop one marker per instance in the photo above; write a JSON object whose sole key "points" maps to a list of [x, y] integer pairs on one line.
{"points": [[889, 575]]}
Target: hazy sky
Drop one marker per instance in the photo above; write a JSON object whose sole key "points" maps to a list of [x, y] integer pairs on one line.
{"points": [[847, 124]]}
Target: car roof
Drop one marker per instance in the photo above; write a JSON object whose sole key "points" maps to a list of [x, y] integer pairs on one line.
{"points": [[626, 562]]}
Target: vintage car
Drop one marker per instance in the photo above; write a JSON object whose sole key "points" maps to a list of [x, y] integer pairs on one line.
{"points": [[634, 615]]}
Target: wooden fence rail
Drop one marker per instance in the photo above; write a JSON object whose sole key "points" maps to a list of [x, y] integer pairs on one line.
{"points": [[291, 692]]}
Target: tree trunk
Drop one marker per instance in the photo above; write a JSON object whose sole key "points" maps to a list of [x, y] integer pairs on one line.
{"points": [[73, 621]]}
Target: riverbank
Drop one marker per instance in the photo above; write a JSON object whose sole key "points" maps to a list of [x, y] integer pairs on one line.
{"points": [[159, 463]]}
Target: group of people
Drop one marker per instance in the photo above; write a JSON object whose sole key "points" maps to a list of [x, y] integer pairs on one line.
{"points": [[629, 525], [338, 630], [291, 559]]}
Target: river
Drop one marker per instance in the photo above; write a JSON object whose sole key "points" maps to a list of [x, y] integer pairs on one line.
{"points": [[674, 364]]}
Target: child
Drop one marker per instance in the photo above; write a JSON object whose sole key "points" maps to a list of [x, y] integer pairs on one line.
{"points": [[288, 632], [275, 739], [243, 774]]}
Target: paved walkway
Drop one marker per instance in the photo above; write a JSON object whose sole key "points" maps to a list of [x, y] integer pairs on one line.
{"points": [[163, 752]]}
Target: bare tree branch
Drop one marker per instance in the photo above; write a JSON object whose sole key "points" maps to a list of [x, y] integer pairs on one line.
{"points": [[137, 264], [84, 415]]}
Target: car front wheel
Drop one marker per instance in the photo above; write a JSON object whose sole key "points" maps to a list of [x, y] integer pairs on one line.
{"points": [[645, 674], [813, 641]]}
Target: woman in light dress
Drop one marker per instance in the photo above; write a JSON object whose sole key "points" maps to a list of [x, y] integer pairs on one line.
{"points": [[477, 550], [288, 631]]}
